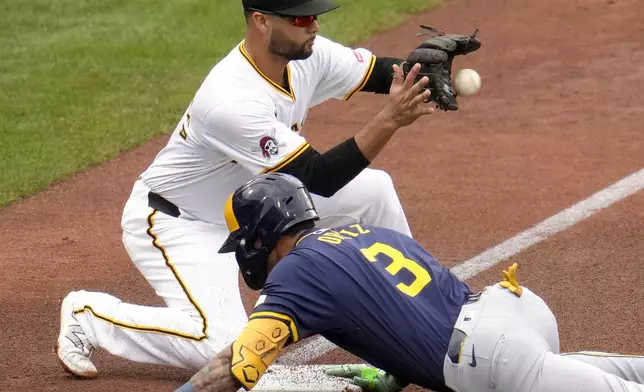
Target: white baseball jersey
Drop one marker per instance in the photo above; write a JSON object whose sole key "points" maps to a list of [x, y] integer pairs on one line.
{"points": [[241, 124]]}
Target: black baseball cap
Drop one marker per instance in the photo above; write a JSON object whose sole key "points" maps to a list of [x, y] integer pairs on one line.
{"points": [[292, 7]]}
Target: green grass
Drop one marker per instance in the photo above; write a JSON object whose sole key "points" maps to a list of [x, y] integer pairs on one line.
{"points": [[82, 80]]}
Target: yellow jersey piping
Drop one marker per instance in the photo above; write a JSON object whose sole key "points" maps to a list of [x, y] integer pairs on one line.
{"points": [[289, 93], [364, 80], [304, 236], [289, 158]]}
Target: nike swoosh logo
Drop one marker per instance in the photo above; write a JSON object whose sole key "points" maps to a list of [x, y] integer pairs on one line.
{"points": [[473, 363]]}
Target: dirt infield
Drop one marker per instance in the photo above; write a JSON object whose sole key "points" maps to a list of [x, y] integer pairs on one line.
{"points": [[559, 118]]}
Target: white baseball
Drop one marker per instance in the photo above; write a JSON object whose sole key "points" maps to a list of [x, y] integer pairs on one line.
{"points": [[467, 82]]}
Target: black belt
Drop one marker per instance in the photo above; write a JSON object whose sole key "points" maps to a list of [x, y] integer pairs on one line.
{"points": [[160, 203], [456, 341]]}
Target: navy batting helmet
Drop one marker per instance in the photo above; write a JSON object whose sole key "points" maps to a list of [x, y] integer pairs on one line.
{"points": [[263, 208]]}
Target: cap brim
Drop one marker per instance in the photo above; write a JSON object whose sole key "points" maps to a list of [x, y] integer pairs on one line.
{"points": [[314, 7], [230, 244]]}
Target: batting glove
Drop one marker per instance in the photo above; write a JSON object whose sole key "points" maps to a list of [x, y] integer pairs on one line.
{"points": [[366, 377]]}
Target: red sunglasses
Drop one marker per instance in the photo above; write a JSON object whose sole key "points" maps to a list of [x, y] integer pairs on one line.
{"points": [[298, 21]]}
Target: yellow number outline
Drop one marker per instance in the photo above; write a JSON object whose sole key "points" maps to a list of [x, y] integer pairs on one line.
{"points": [[184, 126], [399, 261]]}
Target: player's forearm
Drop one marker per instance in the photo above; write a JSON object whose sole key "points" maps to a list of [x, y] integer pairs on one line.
{"points": [[215, 376], [375, 135], [325, 174]]}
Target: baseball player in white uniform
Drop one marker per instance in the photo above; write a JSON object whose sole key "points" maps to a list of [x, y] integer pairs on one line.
{"points": [[244, 120]]}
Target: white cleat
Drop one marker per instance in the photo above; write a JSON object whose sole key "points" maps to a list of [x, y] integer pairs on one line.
{"points": [[73, 348]]}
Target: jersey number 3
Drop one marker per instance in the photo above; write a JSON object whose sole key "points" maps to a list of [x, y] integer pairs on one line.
{"points": [[399, 261]]}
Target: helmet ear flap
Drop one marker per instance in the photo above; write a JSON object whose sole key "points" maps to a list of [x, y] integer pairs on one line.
{"points": [[253, 265], [253, 260]]}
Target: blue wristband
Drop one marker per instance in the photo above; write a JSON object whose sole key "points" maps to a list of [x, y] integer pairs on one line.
{"points": [[187, 387]]}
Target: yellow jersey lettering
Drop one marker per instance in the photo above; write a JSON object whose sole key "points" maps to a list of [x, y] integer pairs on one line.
{"points": [[399, 261], [354, 234], [360, 229], [258, 346], [332, 237], [347, 232], [335, 238], [330, 240]]}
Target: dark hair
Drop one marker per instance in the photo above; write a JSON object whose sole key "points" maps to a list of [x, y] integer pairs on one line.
{"points": [[247, 13], [296, 228]]}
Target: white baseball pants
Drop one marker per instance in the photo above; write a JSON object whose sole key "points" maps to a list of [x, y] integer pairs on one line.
{"points": [[178, 257], [512, 345]]}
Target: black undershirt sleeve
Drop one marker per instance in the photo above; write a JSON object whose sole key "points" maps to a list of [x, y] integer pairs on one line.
{"points": [[325, 174], [382, 75]]}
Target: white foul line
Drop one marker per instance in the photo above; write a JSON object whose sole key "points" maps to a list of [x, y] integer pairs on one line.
{"points": [[551, 226], [620, 190]]}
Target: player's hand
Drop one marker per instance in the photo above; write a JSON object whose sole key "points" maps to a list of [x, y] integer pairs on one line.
{"points": [[366, 377], [406, 98]]}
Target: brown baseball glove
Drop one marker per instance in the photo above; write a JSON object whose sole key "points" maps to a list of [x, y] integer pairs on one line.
{"points": [[435, 56]]}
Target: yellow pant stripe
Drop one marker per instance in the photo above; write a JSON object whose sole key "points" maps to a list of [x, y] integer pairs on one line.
{"points": [[155, 243], [143, 328], [146, 328]]}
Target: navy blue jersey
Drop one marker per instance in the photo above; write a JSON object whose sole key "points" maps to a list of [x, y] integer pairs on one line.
{"points": [[374, 292]]}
